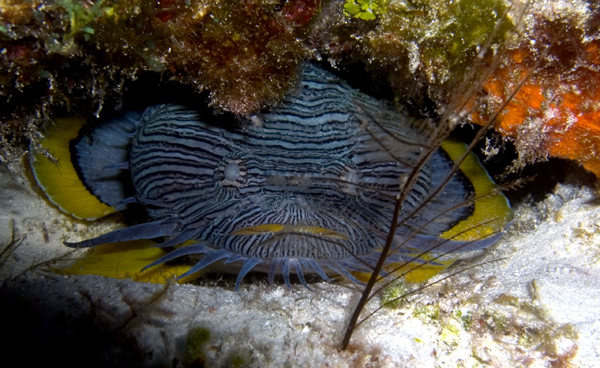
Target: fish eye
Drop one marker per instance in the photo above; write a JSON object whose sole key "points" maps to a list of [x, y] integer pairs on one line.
{"points": [[231, 173]]}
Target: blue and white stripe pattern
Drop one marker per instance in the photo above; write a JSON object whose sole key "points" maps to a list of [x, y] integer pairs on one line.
{"points": [[327, 157]]}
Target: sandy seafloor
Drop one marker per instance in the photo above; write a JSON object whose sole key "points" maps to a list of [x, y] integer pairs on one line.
{"points": [[537, 305]]}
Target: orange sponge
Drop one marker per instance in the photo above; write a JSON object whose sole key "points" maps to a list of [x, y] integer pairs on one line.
{"points": [[556, 111]]}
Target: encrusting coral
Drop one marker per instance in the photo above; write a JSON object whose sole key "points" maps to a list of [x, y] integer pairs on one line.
{"points": [[62, 56], [539, 58], [243, 66]]}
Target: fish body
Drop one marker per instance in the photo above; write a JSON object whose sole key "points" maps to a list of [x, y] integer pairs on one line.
{"points": [[307, 186]]}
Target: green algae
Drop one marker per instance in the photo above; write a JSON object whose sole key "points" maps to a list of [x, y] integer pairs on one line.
{"points": [[195, 346], [427, 313], [81, 16], [436, 41], [239, 359], [450, 333], [393, 295], [466, 319], [365, 9]]}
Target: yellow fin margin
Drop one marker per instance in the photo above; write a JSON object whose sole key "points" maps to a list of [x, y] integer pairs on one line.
{"points": [[491, 210], [57, 175], [491, 213]]}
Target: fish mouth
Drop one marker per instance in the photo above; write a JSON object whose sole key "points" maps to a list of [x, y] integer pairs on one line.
{"points": [[291, 231], [283, 229]]}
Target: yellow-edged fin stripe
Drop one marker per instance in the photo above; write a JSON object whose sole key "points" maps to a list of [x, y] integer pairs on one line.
{"points": [[125, 261], [58, 177], [491, 210], [299, 229], [491, 213]]}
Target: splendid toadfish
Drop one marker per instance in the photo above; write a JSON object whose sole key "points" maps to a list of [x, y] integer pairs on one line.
{"points": [[307, 186]]}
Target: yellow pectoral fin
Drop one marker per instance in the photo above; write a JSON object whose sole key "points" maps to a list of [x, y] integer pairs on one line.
{"points": [[126, 261], [57, 176]]}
